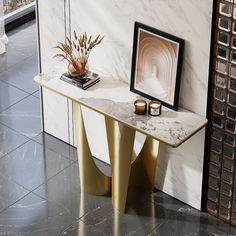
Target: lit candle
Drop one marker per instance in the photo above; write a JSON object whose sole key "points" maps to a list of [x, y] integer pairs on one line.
{"points": [[154, 108], [140, 107]]}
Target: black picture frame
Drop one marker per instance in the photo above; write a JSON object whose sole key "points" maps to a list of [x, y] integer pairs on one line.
{"points": [[162, 54]]}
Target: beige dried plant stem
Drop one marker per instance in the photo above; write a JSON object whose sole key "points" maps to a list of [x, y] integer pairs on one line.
{"points": [[76, 51]]}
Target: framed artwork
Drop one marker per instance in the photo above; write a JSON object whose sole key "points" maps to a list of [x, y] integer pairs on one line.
{"points": [[156, 65]]}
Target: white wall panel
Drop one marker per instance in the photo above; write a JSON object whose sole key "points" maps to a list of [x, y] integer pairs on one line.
{"points": [[55, 115], [52, 28]]}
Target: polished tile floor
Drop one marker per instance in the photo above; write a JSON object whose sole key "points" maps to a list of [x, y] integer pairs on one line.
{"points": [[39, 180]]}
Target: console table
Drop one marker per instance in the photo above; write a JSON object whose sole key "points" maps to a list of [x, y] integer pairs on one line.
{"points": [[113, 99]]}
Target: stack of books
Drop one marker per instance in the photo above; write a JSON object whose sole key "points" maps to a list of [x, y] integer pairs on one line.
{"points": [[84, 82]]}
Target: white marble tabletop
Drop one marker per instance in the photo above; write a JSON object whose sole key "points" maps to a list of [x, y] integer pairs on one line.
{"points": [[113, 98]]}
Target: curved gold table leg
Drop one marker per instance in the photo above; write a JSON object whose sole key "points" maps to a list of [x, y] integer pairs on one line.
{"points": [[92, 180], [120, 142], [144, 166], [126, 170]]}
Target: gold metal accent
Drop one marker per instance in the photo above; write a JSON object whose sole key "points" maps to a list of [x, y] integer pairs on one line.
{"points": [[144, 166], [126, 168], [92, 180], [120, 143]]}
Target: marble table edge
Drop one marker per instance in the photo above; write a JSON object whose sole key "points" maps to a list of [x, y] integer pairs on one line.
{"points": [[38, 79]]}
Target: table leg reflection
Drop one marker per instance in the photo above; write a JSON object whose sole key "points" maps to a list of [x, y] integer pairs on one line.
{"points": [[139, 209]]}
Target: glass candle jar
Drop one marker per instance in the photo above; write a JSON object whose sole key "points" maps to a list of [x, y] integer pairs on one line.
{"points": [[154, 108], [140, 107]]}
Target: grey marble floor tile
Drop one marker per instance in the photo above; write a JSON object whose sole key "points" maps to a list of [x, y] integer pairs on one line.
{"points": [[34, 216], [189, 221], [36, 94], [9, 95], [32, 165], [21, 75], [166, 201], [22, 44], [64, 189], [57, 145], [66, 150], [10, 140], [142, 216], [10, 59], [24, 39], [80, 228], [123, 224], [10, 192], [24, 117]]}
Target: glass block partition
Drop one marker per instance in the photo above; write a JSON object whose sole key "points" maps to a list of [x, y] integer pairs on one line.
{"points": [[221, 187]]}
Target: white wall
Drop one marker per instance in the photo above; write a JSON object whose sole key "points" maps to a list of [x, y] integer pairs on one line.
{"points": [[51, 30], [179, 171]]}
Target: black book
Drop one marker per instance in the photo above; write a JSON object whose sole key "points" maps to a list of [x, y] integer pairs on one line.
{"points": [[83, 83]]}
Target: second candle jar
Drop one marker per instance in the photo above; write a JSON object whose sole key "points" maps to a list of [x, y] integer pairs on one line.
{"points": [[154, 108]]}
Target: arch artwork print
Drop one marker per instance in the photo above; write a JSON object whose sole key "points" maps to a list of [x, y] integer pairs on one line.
{"points": [[156, 65]]}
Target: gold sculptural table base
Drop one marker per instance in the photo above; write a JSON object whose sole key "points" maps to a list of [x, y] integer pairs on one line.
{"points": [[127, 169]]}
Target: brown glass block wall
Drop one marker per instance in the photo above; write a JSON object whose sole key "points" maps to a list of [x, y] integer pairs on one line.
{"points": [[221, 188]]}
